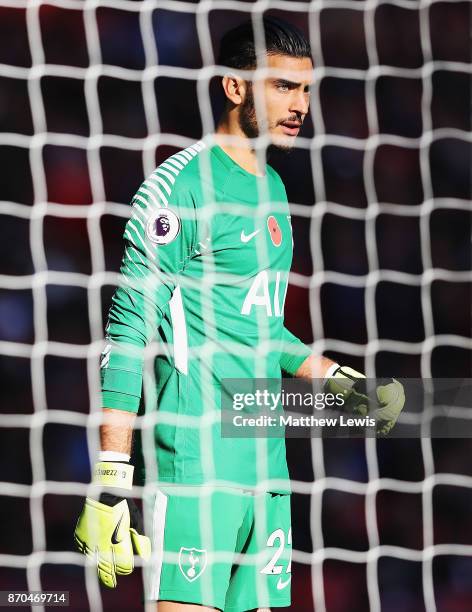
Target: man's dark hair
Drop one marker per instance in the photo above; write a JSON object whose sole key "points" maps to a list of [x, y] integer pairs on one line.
{"points": [[237, 49]]}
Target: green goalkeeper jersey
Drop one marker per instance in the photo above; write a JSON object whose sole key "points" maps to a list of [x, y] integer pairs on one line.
{"points": [[208, 249]]}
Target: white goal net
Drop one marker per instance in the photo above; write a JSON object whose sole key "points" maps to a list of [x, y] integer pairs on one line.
{"points": [[93, 95]]}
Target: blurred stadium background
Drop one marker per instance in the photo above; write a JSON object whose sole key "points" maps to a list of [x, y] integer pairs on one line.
{"points": [[92, 96]]}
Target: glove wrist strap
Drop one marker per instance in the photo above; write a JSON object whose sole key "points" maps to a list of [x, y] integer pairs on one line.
{"points": [[113, 456], [333, 368], [113, 474]]}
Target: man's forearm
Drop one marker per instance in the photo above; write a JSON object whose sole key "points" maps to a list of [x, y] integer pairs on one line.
{"points": [[116, 431], [314, 366]]}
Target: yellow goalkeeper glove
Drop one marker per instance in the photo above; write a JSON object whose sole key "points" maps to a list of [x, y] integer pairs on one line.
{"points": [[109, 529], [390, 397]]}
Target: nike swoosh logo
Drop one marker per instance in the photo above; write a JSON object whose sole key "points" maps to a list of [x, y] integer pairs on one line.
{"points": [[281, 584], [248, 237], [114, 535]]}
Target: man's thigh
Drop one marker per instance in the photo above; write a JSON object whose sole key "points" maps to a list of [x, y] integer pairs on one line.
{"points": [[172, 606], [262, 578], [194, 534]]}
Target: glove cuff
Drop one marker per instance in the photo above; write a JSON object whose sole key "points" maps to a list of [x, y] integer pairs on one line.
{"points": [[113, 474], [113, 456], [331, 371]]}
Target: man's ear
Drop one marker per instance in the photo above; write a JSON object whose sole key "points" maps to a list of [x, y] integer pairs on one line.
{"points": [[234, 88]]}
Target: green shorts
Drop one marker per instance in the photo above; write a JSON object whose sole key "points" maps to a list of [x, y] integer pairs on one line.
{"points": [[220, 547]]}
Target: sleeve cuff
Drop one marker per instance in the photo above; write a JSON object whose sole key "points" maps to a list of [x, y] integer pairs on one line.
{"points": [[122, 381], [290, 362], [120, 401]]}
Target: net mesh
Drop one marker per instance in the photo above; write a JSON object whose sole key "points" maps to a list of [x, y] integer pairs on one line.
{"points": [[389, 93]]}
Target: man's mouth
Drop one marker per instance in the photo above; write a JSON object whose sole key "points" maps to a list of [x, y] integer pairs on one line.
{"points": [[291, 128]]}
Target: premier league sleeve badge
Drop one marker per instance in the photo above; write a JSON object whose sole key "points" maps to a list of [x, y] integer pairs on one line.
{"points": [[163, 226]]}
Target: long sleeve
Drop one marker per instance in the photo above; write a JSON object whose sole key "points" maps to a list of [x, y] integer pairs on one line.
{"points": [[159, 239], [293, 352]]}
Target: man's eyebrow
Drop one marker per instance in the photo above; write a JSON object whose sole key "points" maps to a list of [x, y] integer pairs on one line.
{"points": [[287, 83]]}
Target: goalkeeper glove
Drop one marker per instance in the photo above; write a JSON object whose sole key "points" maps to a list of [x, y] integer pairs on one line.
{"points": [[109, 529], [390, 398]]}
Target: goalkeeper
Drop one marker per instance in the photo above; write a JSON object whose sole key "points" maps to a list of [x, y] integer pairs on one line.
{"points": [[208, 251]]}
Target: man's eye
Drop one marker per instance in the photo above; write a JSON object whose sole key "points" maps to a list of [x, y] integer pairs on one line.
{"points": [[282, 87]]}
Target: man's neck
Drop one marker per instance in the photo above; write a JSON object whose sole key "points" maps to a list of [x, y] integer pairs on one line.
{"points": [[240, 151]]}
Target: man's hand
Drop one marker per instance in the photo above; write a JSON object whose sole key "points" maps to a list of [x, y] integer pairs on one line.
{"points": [[391, 398], [109, 529], [387, 408]]}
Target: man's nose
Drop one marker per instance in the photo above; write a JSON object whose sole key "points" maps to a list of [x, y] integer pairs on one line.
{"points": [[299, 103]]}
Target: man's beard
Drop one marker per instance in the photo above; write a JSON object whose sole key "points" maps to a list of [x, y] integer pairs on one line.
{"points": [[249, 125], [247, 115]]}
